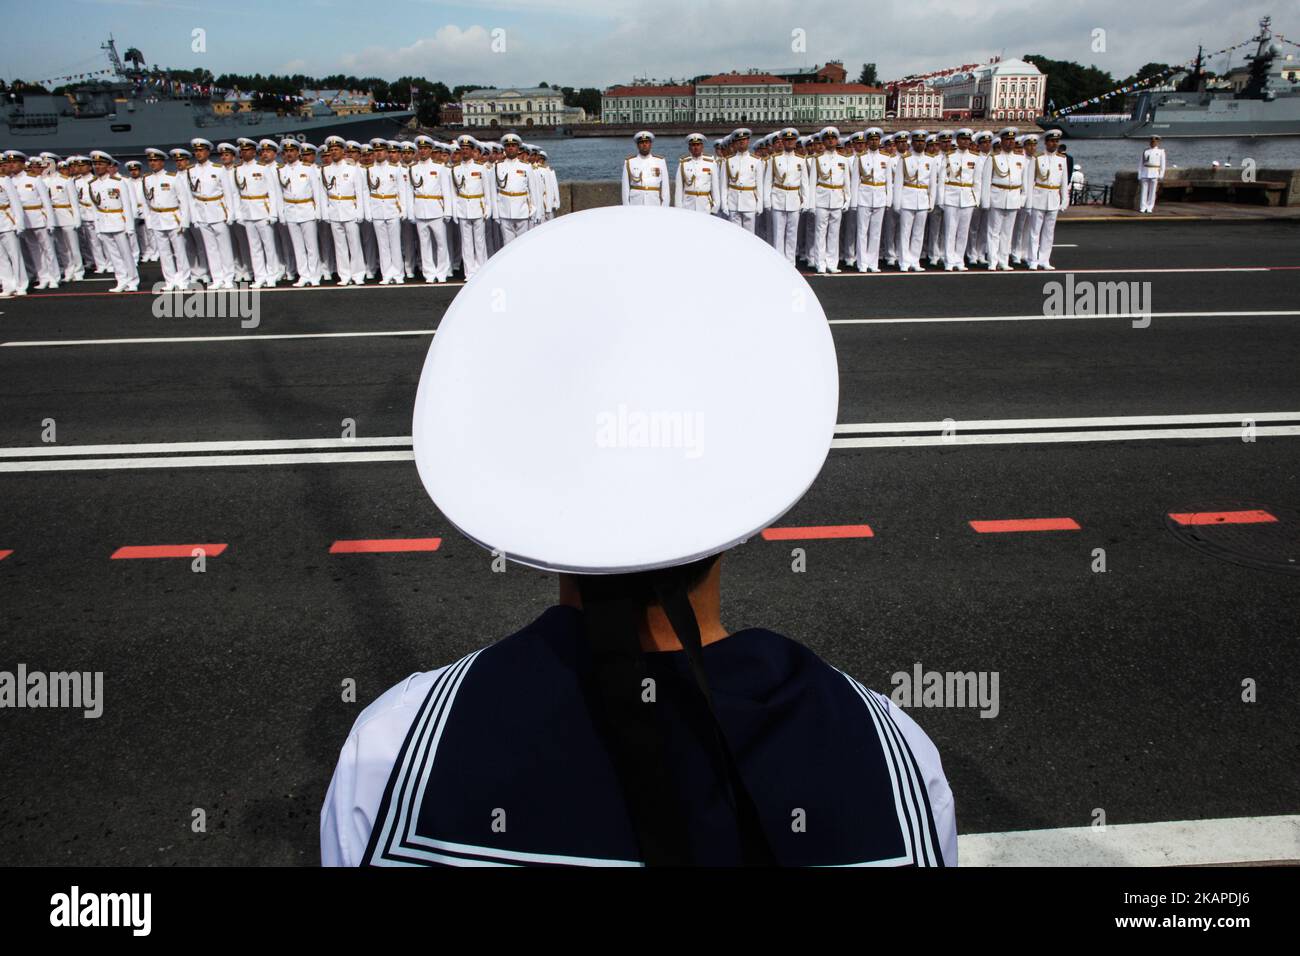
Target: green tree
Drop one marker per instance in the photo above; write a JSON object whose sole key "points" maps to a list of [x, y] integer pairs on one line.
{"points": [[868, 75], [1069, 82], [134, 57]]}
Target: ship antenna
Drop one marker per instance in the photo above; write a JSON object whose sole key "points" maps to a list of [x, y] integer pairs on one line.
{"points": [[116, 60]]}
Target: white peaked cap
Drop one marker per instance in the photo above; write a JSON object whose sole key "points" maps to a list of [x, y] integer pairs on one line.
{"points": [[540, 428]]}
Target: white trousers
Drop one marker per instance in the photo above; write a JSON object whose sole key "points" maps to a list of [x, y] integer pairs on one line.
{"points": [[956, 229], [911, 237], [240, 250], [435, 256], [349, 258], [977, 238], [745, 220], [1020, 234], [306, 249], [473, 244], [870, 222], [261, 249], [1148, 202], [1042, 235], [218, 250], [512, 229], [410, 246], [388, 241], [889, 236], [849, 236], [67, 247], [934, 234], [826, 238], [999, 224], [785, 232], [170, 244], [369, 248], [40, 250], [118, 246], [11, 263]]}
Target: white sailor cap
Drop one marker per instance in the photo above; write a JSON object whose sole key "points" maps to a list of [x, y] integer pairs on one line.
{"points": [[856, 137], [1030, 138], [932, 138], [378, 141], [920, 134], [558, 479], [982, 135], [464, 139], [511, 138], [789, 133], [1154, 136], [542, 153], [12, 154], [289, 141], [226, 148], [719, 143], [873, 131], [423, 140], [99, 156], [245, 141], [1053, 134], [743, 133], [180, 151], [134, 164], [335, 141], [366, 148], [307, 147], [199, 141], [695, 138], [352, 144], [965, 131], [643, 135], [944, 134], [408, 146], [1007, 131], [268, 144], [828, 131], [392, 144], [50, 157], [155, 151]]}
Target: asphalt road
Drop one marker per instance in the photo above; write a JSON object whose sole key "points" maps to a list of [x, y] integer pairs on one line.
{"points": [[222, 690]]}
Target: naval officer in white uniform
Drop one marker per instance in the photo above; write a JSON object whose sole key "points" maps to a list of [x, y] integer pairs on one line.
{"points": [[1150, 171], [645, 175], [681, 742]]}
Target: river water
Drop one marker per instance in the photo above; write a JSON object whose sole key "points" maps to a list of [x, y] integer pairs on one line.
{"points": [[599, 158]]}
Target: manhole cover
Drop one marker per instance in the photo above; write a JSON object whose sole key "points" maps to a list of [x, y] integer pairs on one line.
{"points": [[1243, 532]]}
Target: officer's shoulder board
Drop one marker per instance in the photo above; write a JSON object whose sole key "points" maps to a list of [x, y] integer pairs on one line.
{"points": [[684, 158], [634, 156], [655, 156]]}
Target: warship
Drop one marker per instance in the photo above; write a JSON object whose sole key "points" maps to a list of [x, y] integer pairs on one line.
{"points": [[124, 117], [1268, 105]]}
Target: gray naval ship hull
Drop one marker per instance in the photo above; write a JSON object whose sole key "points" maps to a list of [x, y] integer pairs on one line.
{"points": [[168, 123], [1184, 117]]}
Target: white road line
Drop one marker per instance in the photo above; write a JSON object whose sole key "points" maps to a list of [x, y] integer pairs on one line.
{"points": [[210, 338], [1172, 843], [987, 424], [1040, 438], [1061, 318], [179, 447], [206, 461]]}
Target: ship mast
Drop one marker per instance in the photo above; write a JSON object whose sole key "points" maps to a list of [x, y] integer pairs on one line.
{"points": [[1260, 62], [113, 58]]}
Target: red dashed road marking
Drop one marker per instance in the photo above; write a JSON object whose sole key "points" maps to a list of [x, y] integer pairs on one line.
{"points": [[166, 551], [818, 531], [385, 545], [5, 554], [1222, 517], [1025, 524]]}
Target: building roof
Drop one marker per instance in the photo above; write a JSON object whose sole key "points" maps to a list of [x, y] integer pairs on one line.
{"points": [[741, 79], [512, 91], [826, 88], [651, 89]]}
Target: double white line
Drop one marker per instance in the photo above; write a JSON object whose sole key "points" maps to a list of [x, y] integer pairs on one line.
{"points": [[334, 451]]}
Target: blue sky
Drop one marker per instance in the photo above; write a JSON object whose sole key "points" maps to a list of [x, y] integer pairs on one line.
{"points": [[599, 42]]}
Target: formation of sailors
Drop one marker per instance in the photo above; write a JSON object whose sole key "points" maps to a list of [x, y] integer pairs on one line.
{"points": [[956, 198], [267, 211]]}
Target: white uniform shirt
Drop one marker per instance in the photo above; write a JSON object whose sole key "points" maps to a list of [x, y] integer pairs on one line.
{"points": [[384, 191], [470, 183], [698, 186], [166, 205], [961, 184], [1049, 184], [870, 180], [1153, 163], [1004, 181], [301, 191], [916, 179], [11, 209], [114, 202], [345, 191], [645, 181], [63, 200], [788, 186], [213, 193], [832, 181], [515, 189], [432, 190], [742, 183], [35, 200], [258, 185]]}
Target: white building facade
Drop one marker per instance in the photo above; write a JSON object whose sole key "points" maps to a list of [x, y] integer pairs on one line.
{"points": [[514, 107]]}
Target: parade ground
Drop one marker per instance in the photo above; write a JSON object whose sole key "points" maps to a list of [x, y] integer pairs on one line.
{"points": [[1098, 515]]}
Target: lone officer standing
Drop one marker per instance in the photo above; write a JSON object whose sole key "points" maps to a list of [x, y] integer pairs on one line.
{"points": [[645, 176], [626, 725], [1150, 172]]}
